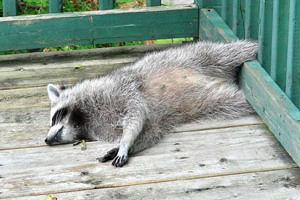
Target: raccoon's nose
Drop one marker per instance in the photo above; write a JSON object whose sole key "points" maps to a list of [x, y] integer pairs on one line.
{"points": [[46, 141]]}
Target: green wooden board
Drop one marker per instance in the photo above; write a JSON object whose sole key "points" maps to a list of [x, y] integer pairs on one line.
{"points": [[153, 3], [265, 34], [269, 101], [293, 54], [282, 43], [9, 8], [254, 19], [98, 27], [214, 4], [212, 27], [55, 6], [106, 4]]}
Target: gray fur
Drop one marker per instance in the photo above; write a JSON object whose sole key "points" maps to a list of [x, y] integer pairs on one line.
{"points": [[138, 104]]}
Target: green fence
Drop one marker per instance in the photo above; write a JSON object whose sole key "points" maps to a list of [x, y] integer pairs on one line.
{"points": [[273, 90], [275, 25]]}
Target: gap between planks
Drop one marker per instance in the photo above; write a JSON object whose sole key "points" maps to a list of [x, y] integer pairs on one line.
{"points": [[221, 127], [106, 186], [245, 186], [38, 65], [217, 170], [176, 131]]}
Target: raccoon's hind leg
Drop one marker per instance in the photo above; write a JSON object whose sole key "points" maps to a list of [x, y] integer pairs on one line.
{"points": [[223, 60], [152, 133]]}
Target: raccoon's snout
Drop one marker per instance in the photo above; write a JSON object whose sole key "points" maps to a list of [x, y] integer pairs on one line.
{"points": [[55, 138]]}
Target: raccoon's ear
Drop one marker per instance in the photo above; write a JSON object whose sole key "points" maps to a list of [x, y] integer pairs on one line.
{"points": [[53, 92]]}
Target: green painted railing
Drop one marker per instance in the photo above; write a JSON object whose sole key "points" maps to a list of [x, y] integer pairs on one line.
{"points": [[96, 27], [275, 25], [274, 81], [269, 101]]}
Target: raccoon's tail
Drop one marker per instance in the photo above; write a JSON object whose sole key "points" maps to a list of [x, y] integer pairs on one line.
{"points": [[223, 60]]}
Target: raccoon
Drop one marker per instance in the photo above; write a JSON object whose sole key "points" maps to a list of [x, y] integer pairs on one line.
{"points": [[136, 105]]}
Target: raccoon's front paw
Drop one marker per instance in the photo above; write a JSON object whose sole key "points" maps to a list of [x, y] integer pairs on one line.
{"points": [[111, 154], [120, 160]]}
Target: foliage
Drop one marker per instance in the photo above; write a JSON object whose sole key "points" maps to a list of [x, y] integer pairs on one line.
{"points": [[32, 7]]}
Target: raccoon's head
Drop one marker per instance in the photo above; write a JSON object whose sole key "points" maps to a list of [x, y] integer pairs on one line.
{"points": [[67, 121]]}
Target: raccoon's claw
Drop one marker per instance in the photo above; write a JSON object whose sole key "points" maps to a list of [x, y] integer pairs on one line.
{"points": [[111, 154], [119, 161]]}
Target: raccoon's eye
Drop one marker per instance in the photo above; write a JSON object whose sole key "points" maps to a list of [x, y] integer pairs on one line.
{"points": [[77, 117], [59, 115]]}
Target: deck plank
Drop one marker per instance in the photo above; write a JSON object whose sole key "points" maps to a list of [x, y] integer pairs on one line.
{"points": [[281, 184], [28, 126], [37, 77], [181, 156], [33, 70]]}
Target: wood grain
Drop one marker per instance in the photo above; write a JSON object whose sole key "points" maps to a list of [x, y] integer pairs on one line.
{"points": [[28, 126], [181, 156], [281, 184], [37, 69]]}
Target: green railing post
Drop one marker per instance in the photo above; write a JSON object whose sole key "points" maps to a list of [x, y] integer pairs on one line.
{"points": [[224, 10], [261, 30], [153, 3], [247, 20], [274, 51], [200, 4], [9, 8], [293, 54], [106, 4], [55, 6], [282, 42]]}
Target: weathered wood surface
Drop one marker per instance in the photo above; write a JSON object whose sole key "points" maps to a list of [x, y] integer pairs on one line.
{"points": [[185, 155], [278, 112], [35, 70], [216, 123], [63, 56], [19, 122], [261, 185], [98, 27], [203, 160]]}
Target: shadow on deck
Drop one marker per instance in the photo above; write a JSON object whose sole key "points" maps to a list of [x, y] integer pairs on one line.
{"points": [[237, 159]]}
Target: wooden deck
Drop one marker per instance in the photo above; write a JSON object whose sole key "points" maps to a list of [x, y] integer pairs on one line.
{"points": [[237, 159]]}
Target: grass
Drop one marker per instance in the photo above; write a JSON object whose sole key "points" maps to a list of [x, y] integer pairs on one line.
{"points": [[33, 7]]}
